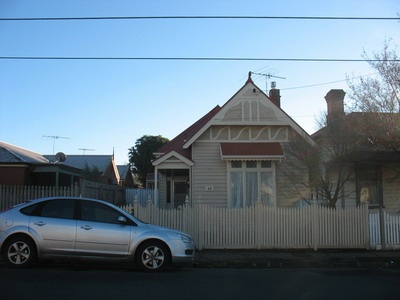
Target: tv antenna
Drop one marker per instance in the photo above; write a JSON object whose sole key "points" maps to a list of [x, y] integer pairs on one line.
{"points": [[267, 76], [55, 137], [85, 149]]}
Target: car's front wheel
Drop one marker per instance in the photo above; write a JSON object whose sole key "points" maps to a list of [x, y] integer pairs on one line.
{"points": [[152, 256], [19, 252]]}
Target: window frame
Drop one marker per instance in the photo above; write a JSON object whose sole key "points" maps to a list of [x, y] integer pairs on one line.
{"points": [[362, 177], [244, 169]]}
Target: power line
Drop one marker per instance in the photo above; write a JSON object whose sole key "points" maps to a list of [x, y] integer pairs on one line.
{"points": [[199, 17], [325, 83], [195, 58]]}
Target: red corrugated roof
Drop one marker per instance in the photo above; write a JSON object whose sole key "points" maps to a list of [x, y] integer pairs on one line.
{"points": [[177, 143]]}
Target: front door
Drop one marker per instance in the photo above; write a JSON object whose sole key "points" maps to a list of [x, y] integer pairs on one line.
{"points": [[180, 191]]}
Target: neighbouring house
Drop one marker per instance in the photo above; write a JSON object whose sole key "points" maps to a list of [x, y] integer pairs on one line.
{"points": [[370, 157], [94, 167], [235, 155], [126, 178], [19, 166]]}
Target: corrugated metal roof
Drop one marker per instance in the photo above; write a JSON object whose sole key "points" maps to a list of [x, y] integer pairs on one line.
{"points": [[13, 154], [81, 161], [122, 170], [251, 150]]}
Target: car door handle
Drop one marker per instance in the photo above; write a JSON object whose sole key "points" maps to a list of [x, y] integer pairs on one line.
{"points": [[87, 227], [40, 223]]}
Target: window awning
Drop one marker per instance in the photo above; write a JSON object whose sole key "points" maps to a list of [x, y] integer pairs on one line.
{"points": [[251, 151]]}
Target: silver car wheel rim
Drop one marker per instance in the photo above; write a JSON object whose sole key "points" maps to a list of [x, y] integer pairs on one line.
{"points": [[18, 253], [153, 257]]}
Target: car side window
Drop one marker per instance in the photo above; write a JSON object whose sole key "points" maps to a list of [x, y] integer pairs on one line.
{"points": [[31, 210], [56, 208], [98, 212]]}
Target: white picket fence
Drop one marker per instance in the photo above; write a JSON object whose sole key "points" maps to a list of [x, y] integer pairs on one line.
{"points": [[384, 229], [140, 195], [11, 195], [263, 227], [255, 227]]}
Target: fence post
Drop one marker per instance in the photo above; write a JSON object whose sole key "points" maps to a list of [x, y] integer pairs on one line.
{"points": [[135, 210], [259, 228], [200, 225], [382, 221], [315, 225], [185, 212], [149, 201]]}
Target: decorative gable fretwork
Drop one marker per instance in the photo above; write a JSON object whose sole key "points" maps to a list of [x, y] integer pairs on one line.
{"points": [[246, 133], [250, 110]]}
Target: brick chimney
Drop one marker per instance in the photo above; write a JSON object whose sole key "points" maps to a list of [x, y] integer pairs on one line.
{"points": [[275, 95], [335, 104]]}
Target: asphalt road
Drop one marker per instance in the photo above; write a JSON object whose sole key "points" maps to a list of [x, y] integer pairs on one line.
{"points": [[112, 282]]}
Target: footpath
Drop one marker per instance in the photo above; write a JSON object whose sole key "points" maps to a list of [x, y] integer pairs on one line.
{"points": [[287, 259]]}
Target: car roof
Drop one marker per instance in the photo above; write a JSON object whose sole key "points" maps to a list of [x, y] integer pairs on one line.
{"points": [[67, 197]]}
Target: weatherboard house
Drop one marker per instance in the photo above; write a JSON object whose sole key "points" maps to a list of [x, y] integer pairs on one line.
{"points": [[236, 155]]}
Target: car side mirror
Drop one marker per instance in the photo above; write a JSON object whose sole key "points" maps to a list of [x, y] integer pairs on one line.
{"points": [[122, 220]]}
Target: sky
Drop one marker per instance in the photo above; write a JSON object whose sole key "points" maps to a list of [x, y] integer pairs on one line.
{"points": [[50, 106]]}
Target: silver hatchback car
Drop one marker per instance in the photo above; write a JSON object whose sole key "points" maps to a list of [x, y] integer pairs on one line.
{"points": [[87, 228]]}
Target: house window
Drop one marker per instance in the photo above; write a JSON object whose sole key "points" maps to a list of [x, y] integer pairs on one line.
{"points": [[250, 181], [369, 185]]}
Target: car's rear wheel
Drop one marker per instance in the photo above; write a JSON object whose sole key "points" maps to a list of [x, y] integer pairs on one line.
{"points": [[19, 252], [152, 256]]}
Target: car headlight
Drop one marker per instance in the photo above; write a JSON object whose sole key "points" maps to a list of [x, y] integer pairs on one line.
{"points": [[185, 238]]}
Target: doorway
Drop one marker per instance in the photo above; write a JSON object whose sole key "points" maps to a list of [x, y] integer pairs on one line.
{"points": [[177, 190]]}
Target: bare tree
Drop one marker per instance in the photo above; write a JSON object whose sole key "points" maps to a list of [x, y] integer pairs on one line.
{"points": [[369, 129], [378, 100], [328, 167]]}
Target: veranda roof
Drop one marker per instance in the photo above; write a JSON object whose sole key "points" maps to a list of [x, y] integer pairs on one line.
{"points": [[251, 151]]}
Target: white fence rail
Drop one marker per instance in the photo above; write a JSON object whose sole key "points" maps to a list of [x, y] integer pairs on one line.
{"points": [[262, 227]]}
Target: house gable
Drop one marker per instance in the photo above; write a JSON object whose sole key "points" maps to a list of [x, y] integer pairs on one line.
{"points": [[172, 160], [249, 115]]}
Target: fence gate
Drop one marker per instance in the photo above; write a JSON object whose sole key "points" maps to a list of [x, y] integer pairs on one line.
{"points": [[384, 228]]}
